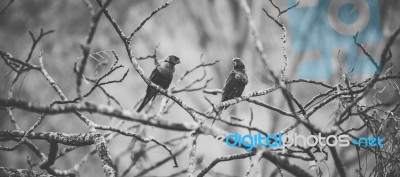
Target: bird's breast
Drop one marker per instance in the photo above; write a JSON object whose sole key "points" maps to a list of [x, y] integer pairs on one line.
{"points": [[167, 71]]}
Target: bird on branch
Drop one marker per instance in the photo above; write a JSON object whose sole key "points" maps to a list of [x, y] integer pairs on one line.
{"points": [[234, 84], [162, 76]]}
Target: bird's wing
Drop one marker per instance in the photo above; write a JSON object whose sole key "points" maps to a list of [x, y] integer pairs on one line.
{"points": [[233, 87], [155, 70], [160, 79]]}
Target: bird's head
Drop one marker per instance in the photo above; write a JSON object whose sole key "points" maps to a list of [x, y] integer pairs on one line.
{"points": [[172, 59], [238, 63]]}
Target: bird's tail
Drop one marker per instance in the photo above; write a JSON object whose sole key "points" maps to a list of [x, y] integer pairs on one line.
{"points": [[146, 99]]}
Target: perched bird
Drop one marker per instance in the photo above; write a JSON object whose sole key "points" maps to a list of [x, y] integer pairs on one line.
{"points": [[162, 76], [235, 83]]}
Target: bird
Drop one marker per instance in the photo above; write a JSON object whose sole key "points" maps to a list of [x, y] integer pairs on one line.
{"points": [[162, 76], [235, 83]]}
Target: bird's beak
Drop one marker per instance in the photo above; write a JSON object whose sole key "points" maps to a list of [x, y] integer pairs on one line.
{"points": [[178, 62]]}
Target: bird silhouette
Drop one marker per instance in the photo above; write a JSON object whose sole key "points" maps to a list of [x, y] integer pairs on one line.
{"points": [[235, 83], [161, 75]]}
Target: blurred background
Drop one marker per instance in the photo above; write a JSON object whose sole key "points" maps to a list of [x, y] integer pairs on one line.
{"points": [[216, 28]]}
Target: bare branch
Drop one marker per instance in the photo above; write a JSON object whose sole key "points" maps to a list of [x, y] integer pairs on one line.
{"points": [[146, 19], [4, 171], [158, 164], [225, 158], [7, 6]]}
